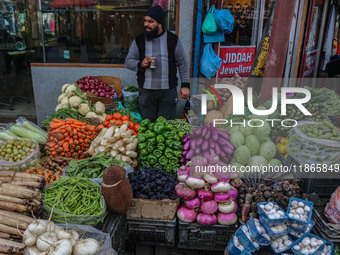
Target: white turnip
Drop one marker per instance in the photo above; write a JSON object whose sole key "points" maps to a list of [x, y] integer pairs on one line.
{"points": [[46, 240], [87, 246], [29, 239], [62, 247]]}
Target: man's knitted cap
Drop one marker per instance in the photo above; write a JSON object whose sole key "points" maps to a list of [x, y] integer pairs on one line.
{"points": [[156, 12]]}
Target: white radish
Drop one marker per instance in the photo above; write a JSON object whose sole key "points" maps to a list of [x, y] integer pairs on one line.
{"points": [[46, 240], [62, 234], [74, 235], [29, 239], [62, 247], [37, 227], [87, 246]]}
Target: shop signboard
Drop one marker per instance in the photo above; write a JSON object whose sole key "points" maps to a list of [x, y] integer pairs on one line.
{"points": [[310, 63], [236, 59]]}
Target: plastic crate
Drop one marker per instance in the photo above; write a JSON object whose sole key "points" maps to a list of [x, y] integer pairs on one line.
{"points": [[255, 234], [318, 251], [246, 242], [196, 236], [303, 224], [270, 232], [271, 222], [297, 234], [152, 232], [323, 187], [232, 249]]}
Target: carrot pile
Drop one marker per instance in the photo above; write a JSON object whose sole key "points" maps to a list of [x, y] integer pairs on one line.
{"points": [[48, 175], [117, 120], [70, 138]]}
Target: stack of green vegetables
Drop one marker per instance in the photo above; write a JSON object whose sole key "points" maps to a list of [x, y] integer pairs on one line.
{"points": [[92, 167], [159, 145], [181, 125], [253, 147], [62, 114]]}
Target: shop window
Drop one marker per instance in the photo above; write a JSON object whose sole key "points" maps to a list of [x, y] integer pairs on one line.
{"points": [[101, 33]]}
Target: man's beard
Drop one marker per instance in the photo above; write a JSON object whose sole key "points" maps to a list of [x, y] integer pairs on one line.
{"points": [[149, 35]]}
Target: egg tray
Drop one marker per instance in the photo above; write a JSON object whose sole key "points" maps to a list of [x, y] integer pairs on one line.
{"points": [[270, 232], [318, 251], [303, 224], [271, 222]]}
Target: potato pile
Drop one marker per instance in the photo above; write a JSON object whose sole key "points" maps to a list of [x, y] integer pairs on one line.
{"points": [[236, 80]]}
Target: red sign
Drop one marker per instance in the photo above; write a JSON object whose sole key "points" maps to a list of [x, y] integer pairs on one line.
{"points": [[310, 63], [236, 59]]}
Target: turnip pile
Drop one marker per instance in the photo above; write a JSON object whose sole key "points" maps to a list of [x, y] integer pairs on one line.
{"points": [[44, 237]]}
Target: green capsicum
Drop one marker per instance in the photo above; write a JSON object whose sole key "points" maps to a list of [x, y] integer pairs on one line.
{"points": [[163, 160], [142, 129], [168, 134], [177, 166], [144, 152], [143, 157], [157, 153], [152, 141], [173, 161], [146, 163], [149, 134], [141, 138], [177, 145], [169, 143], [168, 127], [150, 126], [176, 138], [142, 146], [150, 148], [152, 159], [161, 146], [160, 139], [168, 168], [177, 154], [161, 119], [181, 134], [168, 152], [159, 128], [145, 123], [157, 165]]}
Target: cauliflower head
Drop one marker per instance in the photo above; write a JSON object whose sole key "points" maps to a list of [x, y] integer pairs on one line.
{"points": [[91, 114], [100, 107], [70, 89], [64, 87], [102, 117], [84, 109], [74, 101], [64, 102], [63, 95], [59, 106]]}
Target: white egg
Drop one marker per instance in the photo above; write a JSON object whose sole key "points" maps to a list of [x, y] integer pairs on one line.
{"points": [[275, 244], [307, 209], [281, 247], [301, 204], [313, 239], [236, 241], [272, 211], [259, 229]]}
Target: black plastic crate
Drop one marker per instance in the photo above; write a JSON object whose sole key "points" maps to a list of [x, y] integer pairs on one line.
{"points": [[152, 232], [115, 225], [196, 236], [322, 187]]}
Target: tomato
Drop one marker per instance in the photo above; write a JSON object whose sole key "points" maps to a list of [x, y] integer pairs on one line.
{"points": [[131, 124], [136, 127], [125, 117], [106, 123], [101, 126], [117, 116], [113, 121], [119, 123], [110, 125], [133, 133], [108, 117]]}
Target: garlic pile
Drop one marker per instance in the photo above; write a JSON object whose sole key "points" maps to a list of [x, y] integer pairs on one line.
{"points": [[279, 228], [308, 245], [251, 239], [299, 211], [261, 230], [238, 244], [273, 211], [281, 243], [327, 250]]}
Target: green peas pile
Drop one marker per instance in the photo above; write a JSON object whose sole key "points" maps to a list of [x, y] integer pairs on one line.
{"points": [[16, 149]]}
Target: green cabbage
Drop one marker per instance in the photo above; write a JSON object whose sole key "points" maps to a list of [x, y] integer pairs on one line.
{"points": [[246, 130], [253, 144], [234, 129], [237, 139], [262, 133], [242, 155], [258, 161], [275, 162], [268, 150]]}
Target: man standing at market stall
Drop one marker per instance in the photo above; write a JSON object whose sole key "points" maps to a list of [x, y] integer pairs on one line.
{"points": [[155, 55]]}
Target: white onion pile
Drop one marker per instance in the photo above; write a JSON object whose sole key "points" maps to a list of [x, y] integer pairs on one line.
{"points": [[299, 211], [308, 245], [273, 211], [281, 243]]}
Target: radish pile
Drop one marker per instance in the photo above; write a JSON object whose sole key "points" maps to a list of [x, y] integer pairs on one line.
{"points": [[208, 198], [90, 84]]}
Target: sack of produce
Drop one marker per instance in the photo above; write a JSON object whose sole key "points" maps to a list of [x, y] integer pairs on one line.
{"points": [[77, 200], [130, 99], [332, 210], [116, 189], [312, 142], [19, 154]]}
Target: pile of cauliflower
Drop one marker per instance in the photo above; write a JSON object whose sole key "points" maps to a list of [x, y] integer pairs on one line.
{"points": [[72, 97]]}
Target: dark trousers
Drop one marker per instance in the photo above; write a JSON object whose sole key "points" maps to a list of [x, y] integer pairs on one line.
{"points": [[155, 103]]}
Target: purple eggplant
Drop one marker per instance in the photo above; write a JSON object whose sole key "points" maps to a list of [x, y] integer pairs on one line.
{"points": [[199, 161], [193, 143], [188, 155], [186, 146], [214, 134], [212, 151], [184, 153], [213, 159], [197, 151], [223, 134], [204, 131], [222, 154], [207, 135], [212, 145], [217, 149], [187, 138], [199, 141], [205, 145], [206, 154]]}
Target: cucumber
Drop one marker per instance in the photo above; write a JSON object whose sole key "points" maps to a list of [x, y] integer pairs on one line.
{"points": [[328, 124]]}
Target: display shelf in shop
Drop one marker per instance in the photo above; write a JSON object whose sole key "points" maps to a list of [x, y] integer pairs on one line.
{"points": [[196, 236], [151, 232]]}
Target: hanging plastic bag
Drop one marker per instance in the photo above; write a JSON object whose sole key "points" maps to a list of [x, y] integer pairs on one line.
{"points": [[209, 25], [224, 20], [217, 37], [210, 62]]}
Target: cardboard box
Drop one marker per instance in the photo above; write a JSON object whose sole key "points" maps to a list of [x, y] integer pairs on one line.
{"points": [[153, 209]]}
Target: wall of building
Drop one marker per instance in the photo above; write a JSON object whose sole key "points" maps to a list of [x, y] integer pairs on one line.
{"points": [[47, 81]]}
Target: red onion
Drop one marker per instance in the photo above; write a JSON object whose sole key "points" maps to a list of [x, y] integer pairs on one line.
{"points": [[102, 94]]}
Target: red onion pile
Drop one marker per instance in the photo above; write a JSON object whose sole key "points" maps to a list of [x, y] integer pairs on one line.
{"points": [[90, 84]]}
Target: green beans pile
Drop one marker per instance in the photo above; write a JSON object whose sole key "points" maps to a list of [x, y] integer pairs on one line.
{"points": [[78, 199], [181, 125], [62, 114]]}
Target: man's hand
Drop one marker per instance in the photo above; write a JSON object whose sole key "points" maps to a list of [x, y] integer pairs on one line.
{"points": [[184, 93], [146, 62]]}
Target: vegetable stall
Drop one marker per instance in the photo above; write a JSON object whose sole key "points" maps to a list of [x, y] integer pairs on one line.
{"points": [[95, 178]]}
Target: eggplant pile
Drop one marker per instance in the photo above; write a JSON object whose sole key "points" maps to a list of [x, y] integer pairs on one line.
{"points": [[266, 190]]}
